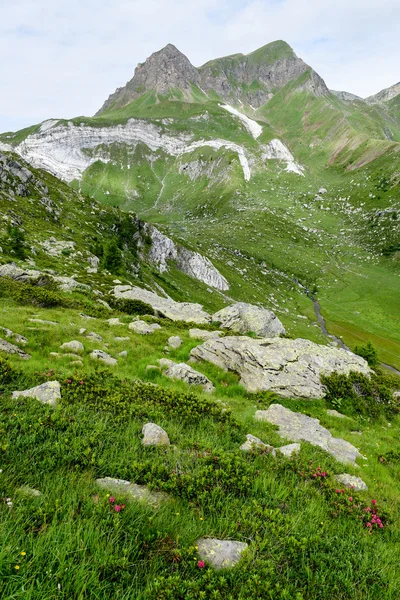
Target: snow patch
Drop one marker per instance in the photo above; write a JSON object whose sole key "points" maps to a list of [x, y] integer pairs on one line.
{"points": [[60, 149], [276, 150], [252, 126]]}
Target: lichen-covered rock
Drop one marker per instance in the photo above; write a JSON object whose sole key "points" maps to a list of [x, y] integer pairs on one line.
{"points": [[47, 393], [253, 442], [43, 322], [286, 367], [352, 482], [133, 491], [243, 318], [186, 373], [174, 341], [8, 348], [288, 450], [73, 346], [165, 307], [298, 427], [154, 435], [114, 321], [334, 413], [19, 339], [221, 554], [103, 357], [94, 336], [29, 492]]}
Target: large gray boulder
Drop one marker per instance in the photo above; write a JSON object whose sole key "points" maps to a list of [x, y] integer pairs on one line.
{"points": [[286, 367], [297, 427], [221, 554], [243, 318], [186, 373], [8, 348], [165, 307], [154, 435], [132, 491], [103, 357], [73, 346], [352, 482], [46, 393], [17, 273]]}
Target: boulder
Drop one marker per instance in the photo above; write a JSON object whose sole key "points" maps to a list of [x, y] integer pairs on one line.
{"points": [[19, 339], [133, 491], [14, 272], [174, 341], [43, 322], [8, 348], [243, 318], [286, 367], [153, 435], [73, 346], [122, 339], [143, 328], [103, 357], [124, 354], [186, 373], [298, 427], [288, 450], [352, 482], [165, 307], [220, 554], [334, 413], [94, 336], [46, 393], [203, 334], [253, 442], [114, 321]]}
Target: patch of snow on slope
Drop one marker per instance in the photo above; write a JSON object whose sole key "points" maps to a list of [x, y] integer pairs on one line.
{"points": [[60, 148], [252, 126], [276, 150]]}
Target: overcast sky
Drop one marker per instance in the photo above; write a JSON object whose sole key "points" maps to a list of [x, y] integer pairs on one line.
{"points": [[63, 59]]}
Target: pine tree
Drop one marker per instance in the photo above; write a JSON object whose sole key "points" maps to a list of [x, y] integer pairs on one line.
{"points": [[112, 258]]}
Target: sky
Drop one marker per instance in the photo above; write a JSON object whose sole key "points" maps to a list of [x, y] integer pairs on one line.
{"points": [[62, 59]]}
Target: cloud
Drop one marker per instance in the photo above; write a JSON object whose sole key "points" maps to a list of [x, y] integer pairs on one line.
{"points": [[62, 59]]}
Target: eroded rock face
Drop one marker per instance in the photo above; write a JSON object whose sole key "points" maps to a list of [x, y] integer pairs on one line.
{"points": [[221, 554], [287, 367], [154, 435], [352, 482], [186, 373], [297, 427], [46, 393], [243, 318], [165, 307], [134, 491]]}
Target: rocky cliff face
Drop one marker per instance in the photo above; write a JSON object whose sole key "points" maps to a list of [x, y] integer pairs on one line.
{"points": [[162, 71], [250, 79], [384, 95]]}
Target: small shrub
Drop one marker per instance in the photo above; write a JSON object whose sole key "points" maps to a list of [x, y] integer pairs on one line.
{"points": [[369, 353], [130, 306]]}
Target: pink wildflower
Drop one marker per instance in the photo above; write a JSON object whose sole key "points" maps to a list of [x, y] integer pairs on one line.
{"points": [[350, 499], [201, 564], [117, 508], [373, 501], [112, 499]]}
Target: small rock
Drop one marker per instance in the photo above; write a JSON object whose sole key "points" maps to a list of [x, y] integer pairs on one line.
{"points": [[253, 442], [43, 322], [103, 357], [334, 413], [73, 346], [115, 321], [46, 393], [124, 354], [25, 490], [143, 328], [174, 341], [152, 368], [122, 339], [82, 331], [132, 490], [77, 363], [349, 481], [186, 373], [221, 554], [153, 435], [288, 450], [203, 334], [94, 336]]}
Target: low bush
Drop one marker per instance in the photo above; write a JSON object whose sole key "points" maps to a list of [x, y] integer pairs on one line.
{"points": [[130, 306]]}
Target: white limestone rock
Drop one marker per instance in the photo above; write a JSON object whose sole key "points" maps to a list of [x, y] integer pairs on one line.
{"points": [[352, 482], [132, 491], [103, 357], [73, 346], [47, 393], [154, 435], [253, 442], [243, 318], [220, 554]]}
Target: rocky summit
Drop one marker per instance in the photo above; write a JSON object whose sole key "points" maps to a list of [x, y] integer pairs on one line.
{"points": [[200, 334]]}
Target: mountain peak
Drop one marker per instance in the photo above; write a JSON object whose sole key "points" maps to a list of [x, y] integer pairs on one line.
{"points": [[164, 70], [384, 95]]}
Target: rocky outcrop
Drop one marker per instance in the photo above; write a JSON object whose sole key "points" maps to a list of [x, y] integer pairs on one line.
{"points": [[8, 348], [276, 150], [384, 95], [203, 334], [352, 482], [220, 554], [186, 373], [165, 307], [286, 367], [297, 427], [163, 250], [243, 318], [46, 393]]}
